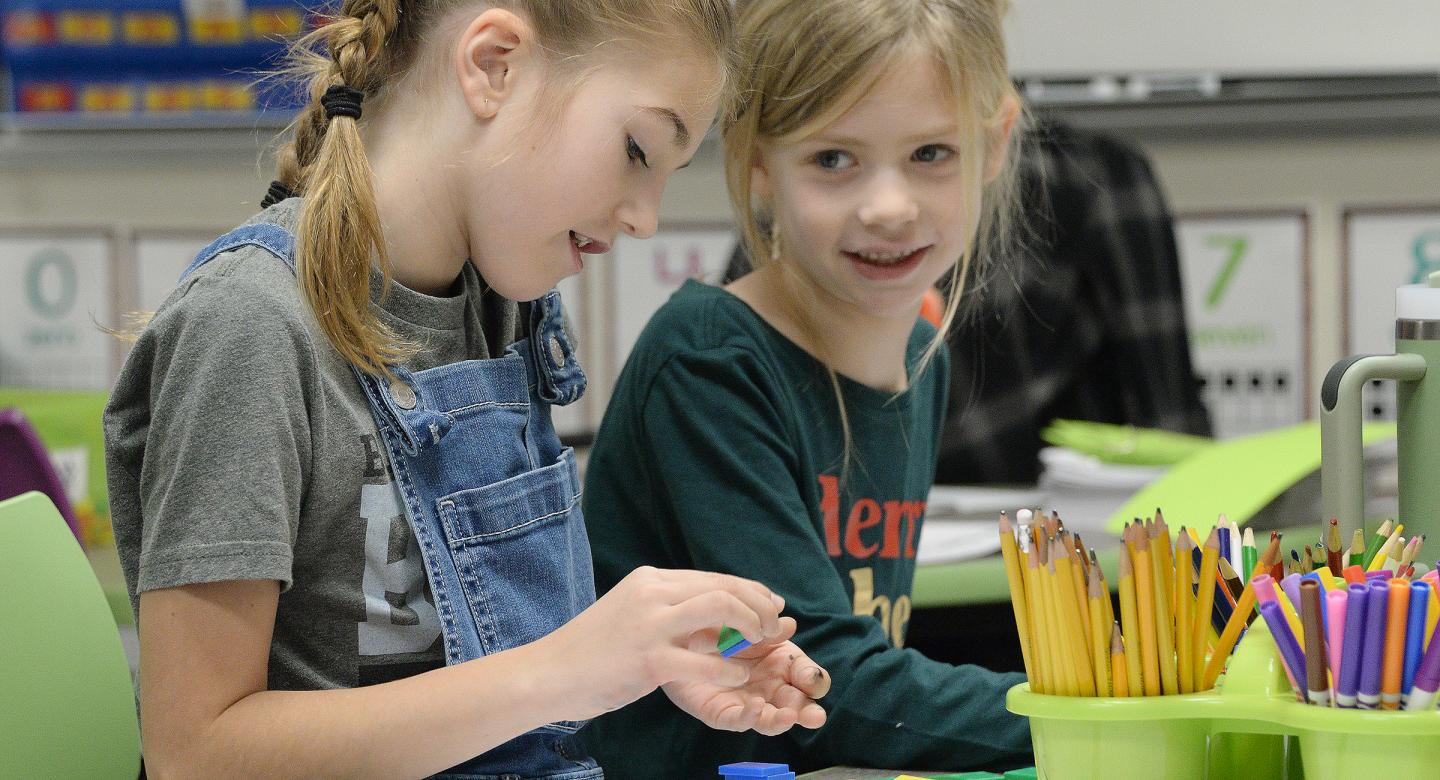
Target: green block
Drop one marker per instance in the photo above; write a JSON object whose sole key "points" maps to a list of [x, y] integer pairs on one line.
{"points": [[970, 776], [729, 637], [1028, 773]]}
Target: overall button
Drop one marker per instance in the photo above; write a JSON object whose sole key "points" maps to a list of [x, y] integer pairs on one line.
{"points": [[557, 352], [404, 396]]}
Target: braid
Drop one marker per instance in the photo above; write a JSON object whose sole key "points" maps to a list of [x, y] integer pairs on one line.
{"points": [[339, 226]]}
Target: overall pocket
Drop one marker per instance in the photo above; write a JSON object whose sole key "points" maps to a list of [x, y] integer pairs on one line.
{"points": [[522, 554]]}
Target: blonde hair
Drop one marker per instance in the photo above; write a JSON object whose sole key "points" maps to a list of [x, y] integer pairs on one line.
{"points": [[369, 46], [804, 64]]}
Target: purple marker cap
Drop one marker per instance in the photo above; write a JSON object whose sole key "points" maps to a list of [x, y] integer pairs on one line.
{"points": [[1427, 677], [1383, 574], [1290, 651], [1414, 636], [1349, 683], [1291, 586], [1372, 656]]}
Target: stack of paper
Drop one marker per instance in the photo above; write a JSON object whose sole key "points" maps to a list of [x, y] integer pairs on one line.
{"points": [[1086, 490], [960, 520]]}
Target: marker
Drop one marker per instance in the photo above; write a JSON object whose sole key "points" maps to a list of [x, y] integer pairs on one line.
{"points": [[1427, 678], [1336, 602], [1374, 649], [1317, 683], [1349, 683], [1414, 636], [1290, 651], [1393, 669]]}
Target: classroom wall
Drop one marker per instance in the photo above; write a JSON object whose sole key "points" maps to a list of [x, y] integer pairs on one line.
{"points": [[207, 180]]}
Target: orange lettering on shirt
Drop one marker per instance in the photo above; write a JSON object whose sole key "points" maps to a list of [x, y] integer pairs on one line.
{"points": [[830, 512], [864, 514], [914, 510]]}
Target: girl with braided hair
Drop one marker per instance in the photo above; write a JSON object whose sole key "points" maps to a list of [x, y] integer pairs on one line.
{"points": [[351, 536]]}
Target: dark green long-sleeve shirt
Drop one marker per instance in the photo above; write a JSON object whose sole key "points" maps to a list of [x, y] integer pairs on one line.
{"points": [[722, 450]]}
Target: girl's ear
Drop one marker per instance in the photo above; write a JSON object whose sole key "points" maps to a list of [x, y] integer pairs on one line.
{"points": [[998, 146], [494, 50]]}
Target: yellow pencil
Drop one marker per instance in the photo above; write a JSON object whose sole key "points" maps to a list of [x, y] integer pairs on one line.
{"points": [[1432, 617], [1291, 615], [1184, 609], [1244, 606], [1167, 562], [1129, 618], [1164, 617], [1378, 562], [1017, 592], [1209, 560], [1145, 603], [1059, 649], [1070, 619], [1044, 679], [1077, 579], [1098, 636], [1119, 669]]}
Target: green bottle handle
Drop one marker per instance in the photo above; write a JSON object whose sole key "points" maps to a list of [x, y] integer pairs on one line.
{"points": [[1342, 465]]}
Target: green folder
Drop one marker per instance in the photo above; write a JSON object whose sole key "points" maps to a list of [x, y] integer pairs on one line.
{"points": [[1237, 477]]}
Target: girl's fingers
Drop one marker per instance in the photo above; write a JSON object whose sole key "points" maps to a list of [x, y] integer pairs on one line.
{"points": [[807, 675], [706, 610], [683, 585], [739, 716], [812, 716], [774, 720], [789, 697], [678, 665]]}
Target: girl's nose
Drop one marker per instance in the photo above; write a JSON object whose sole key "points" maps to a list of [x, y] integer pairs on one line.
{"points": [[889, 205], [640, 216]]}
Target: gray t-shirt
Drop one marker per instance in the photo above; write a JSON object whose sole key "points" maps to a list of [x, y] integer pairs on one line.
{"points": [[239, 445]]}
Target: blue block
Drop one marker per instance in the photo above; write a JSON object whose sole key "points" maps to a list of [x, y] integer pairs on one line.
{"points": [[756, 769], [727, 652]]}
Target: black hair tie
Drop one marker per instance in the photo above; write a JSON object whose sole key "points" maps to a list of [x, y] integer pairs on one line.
{"points": [[275, 194], [341, 100]]}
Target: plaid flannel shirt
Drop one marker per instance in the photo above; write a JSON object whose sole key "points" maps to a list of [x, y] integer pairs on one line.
{"points": [[1087, 323]]}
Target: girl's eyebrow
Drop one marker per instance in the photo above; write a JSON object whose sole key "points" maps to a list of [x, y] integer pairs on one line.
{"points": [[682, 133], [855, 141]]}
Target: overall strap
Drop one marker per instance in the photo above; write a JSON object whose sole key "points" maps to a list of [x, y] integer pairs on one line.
{"points": [[267, 235]]}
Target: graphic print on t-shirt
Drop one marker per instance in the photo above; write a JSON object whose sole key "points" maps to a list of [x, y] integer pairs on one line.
{"points": [[399, 615], [885, 531]]}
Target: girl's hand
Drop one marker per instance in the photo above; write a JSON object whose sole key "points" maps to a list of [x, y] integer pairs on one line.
{"points": [[781, 692], [651, 630]]}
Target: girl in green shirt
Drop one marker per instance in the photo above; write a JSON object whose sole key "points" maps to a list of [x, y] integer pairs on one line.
{"points": [[785, 427]]}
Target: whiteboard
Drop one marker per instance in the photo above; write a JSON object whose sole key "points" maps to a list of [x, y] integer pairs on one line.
{"points": [[1247, 309], [1384, 249], [644, 274], [160, 257], [1078, 38], [59, 295]]}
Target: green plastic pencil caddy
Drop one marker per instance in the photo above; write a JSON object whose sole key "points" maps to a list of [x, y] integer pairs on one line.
{"points": [[1238, 730]]}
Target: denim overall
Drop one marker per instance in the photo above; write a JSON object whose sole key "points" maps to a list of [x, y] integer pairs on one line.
{"points": [[492, 498]]}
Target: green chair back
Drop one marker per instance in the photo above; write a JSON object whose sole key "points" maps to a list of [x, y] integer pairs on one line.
{"points": [[67, 705]]}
